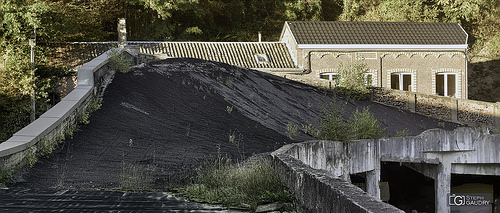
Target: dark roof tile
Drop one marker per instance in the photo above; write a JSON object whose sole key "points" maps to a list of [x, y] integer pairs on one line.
{"points": [[404, 33]]}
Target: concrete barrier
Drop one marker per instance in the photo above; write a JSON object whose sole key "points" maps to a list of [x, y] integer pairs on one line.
{"points": [[435, 153], [52, 126], [317, 190]]}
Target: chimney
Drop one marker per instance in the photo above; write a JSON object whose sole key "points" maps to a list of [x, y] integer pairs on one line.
{"points": [[122, 33]]}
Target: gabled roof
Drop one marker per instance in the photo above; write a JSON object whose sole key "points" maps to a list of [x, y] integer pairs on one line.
{"points": [[377, 33], [243, 54]]}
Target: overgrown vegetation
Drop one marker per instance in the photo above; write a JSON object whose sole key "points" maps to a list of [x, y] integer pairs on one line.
{"points": [[136, 177], [244, 185], [332, 126], [352, 81], [118, 61]]}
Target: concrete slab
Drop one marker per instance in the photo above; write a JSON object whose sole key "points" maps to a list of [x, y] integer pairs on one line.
{"points": [[38, 128], [85, 76], [61, 110], [11, 147], [95, 64], [80, 92]]}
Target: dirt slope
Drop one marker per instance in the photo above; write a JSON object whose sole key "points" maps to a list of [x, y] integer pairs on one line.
{"points": [[168, 117]]}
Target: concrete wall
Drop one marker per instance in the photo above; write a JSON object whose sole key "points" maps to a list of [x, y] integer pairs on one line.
{"points": [[451, 109], [52, 126], [317, 191], [435, 153]]}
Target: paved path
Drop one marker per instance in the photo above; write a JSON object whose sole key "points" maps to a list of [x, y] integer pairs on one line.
{"points": [[30, 200]]}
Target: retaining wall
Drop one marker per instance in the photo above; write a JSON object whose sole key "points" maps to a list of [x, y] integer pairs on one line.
{"points": [[52, 126], [317, 190]]}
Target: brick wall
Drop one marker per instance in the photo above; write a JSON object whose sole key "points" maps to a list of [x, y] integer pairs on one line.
{"points": [[423, 66]]}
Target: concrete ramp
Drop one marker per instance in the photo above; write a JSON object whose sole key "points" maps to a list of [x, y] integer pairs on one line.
{"points": [[168, 117]]}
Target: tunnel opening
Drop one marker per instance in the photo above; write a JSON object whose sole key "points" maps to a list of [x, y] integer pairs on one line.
{"points": [[488, 185], [406, 189]]}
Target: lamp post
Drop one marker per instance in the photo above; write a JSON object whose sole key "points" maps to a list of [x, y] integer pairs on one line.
{"points": [[32, 42]]}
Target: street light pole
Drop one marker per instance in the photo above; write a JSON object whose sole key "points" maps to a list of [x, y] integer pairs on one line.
{"points": [[32, 42]]}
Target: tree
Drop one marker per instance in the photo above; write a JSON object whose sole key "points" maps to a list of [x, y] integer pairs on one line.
{"points": [[352, 81]]}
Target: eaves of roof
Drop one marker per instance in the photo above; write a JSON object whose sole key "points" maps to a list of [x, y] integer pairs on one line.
{"points": [[385, 47]]}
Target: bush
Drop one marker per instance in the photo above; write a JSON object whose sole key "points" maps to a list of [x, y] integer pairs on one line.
{"points": [[119, 61], [240, 185], [360, 125], [352, 82]]}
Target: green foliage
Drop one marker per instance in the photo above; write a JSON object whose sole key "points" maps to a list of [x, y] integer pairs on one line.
{"points": [[360, 125], [118, 61], [303, 10], [403, 133], [332, 125], [31, 157], [352, 80], [480, 19], [309, 129], [237, 184], [292, 130]]}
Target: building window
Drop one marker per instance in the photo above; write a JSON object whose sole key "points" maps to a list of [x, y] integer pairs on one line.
{"points": [[401, 81], [262, 58], [332, 76], [446, 84]]}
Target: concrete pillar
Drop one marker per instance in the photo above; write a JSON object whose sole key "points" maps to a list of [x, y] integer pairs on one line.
{"points": [[496, 115], [454, 109], [122, 32], [373, 176], [412, 101], [442, 184], [373, 183]]}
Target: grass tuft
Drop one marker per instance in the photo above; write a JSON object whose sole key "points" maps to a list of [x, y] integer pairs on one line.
{"points": [[237, 184]]}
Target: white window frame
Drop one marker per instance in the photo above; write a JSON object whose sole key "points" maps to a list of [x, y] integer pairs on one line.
{"points": [[400, 76], [445, 74], [366, 79], [330, 75]]}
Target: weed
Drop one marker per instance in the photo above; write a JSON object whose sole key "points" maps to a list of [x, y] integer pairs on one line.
{"points": [[6, 175], [292, 130], [309, 129], [236, 139], [352, 81], [30, 157], [119, 61], [361, 125], [83, 118], [229, 109], [403, 133], [45, 147], [239, 185], [136, 177], [441, 125]]}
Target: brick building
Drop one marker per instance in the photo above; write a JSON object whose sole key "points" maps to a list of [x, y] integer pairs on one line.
{"points": [[428, 58]]}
